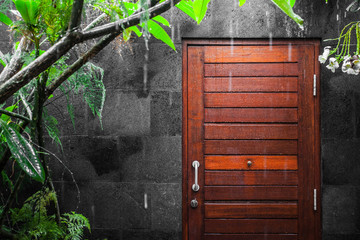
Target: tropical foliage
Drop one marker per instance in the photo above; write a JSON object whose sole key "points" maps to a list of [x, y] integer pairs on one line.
{"points": [[48, 31], [343, 52]]}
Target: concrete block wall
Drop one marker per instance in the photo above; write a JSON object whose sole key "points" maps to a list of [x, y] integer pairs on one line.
{"points": [[138, 149]]}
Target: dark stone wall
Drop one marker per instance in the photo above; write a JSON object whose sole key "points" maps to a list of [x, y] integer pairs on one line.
{"points": [[138, 150]]}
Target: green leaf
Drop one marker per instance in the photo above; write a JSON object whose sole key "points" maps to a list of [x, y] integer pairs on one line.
{"points": [[11, 108], [23, 152], [5, 19], [292, 2], [162, 20], [158, 32], [200, 7], [51, 127], [241, 2], [136, 31], [287, 9], [28, 9], [186, 7]]}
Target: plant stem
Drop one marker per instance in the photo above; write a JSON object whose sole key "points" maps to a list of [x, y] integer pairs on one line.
{"points": [[12, 114]]}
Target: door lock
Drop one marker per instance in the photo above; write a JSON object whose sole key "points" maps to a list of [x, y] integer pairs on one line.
{"points": [[194, 203]]}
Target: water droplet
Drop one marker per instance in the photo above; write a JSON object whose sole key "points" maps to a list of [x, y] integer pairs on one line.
{"points": [[270, 40], [289, 51]]}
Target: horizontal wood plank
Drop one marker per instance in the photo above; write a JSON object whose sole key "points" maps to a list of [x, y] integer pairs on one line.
{"points": [[251, 226], [251, 100], [236, 178], [215, 54], [251, 84], [261, 115], [251, 70], [265, 236], [258, 147], [251, 131], [251, 210], [251, 193], [257, 162]]}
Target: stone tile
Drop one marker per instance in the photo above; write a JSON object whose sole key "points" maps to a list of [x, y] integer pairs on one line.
{"points": [[337, 120], [166, 114], [104, 233], [162, 160], [121, 206], [76, 196], [166, 207], [99, 158], [150, 235], [341, 164], [124, 114], [341, 236], [58, 108], [341, 209]]}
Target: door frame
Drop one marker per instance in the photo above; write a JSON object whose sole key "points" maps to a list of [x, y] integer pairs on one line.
{"points": [[317, 148]]}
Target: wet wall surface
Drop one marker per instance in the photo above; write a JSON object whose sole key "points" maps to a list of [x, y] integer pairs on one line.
{"points": [[138, 150]]}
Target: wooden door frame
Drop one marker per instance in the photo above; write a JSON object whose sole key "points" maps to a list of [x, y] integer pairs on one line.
{"points": [[317, 148]]}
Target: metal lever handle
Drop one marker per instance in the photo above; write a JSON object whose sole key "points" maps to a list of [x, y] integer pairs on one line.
{"points": [[195, 187]]}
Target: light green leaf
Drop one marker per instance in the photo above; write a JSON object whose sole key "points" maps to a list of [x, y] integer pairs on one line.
{"points": [[5, 19], [136, 31], [158, 32], [287, 9], [11, 108], [28, 9], [200, 7], [23, 152], [241, 2], [292, 2], [186, 7], [162, 20]]}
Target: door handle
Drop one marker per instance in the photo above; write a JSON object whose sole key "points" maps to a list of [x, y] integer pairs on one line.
{"points": [[195, 187]]}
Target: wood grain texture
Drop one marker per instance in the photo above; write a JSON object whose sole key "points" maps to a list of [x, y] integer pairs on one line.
{"points": [[269, 147], [257, 162], [251, 115], [236, 54], [251, 226], [251, 131], [251, 193], [195, 118], [251, 84], [251, 210], [251, 70], [266, 236], [251, 100], [238, 178]]}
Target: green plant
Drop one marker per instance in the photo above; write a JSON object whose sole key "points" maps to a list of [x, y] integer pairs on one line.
{"points": [[48, 31]]}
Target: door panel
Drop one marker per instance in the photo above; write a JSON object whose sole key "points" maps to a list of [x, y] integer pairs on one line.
{"points": [[250, 121]]}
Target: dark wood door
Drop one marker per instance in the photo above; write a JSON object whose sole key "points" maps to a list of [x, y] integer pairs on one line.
{"points": [[251, 120]]}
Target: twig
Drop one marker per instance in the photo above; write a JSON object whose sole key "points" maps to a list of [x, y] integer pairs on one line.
{"points": [[12, 114]]}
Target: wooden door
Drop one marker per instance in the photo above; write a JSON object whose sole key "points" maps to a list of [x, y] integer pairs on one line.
{"points": [[251, 120]]}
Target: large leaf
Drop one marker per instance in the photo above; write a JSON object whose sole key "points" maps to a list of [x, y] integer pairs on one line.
{"points": [[11, 108], [200, 8], [286, 8], [292, 2], [186, 7], [241, 2], [161, 20], [158, 32], [28, 9], [23, 152], [5, 19]]}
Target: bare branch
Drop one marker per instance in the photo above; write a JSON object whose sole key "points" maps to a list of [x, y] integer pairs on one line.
{"points": [[95, 22], [80, 62], [16, 61], [76, 11], [15, 115]]}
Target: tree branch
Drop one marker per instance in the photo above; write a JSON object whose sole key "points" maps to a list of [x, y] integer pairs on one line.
{"points": [[95, 22], [132, 20], [12, 114], [80, 62], [16, 61], [76, 11], [48, 58]]}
